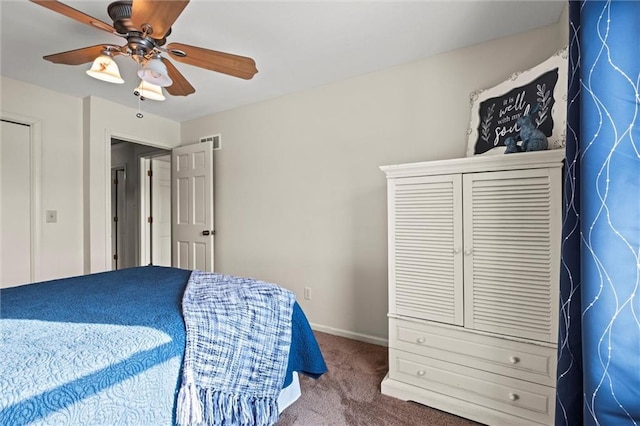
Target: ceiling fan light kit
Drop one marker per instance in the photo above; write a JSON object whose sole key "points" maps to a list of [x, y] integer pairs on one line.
{"points": [[149, 91], [139, 22], [105, 68], [155, 72]]}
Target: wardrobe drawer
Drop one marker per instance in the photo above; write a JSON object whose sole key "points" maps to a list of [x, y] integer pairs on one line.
{"points": [[510, 358], [519, 398]]}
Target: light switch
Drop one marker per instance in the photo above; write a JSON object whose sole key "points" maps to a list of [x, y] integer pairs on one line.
{"points": [[52, 216]]}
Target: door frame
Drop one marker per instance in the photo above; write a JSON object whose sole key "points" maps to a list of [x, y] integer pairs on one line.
{"points": [[122, 220], [144, 193], [35, 161], [144, 253]]}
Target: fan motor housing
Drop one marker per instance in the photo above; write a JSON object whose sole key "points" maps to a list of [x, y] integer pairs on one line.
{"points": [[120, 13], [139, 45]]}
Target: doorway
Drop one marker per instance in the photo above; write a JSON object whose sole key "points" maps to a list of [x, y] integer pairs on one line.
{"points": [[137, 202]]}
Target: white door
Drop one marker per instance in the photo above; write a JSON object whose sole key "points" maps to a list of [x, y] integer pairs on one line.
{"points": [[161, 210], [193, 206], [425, 216], [510, 257], [15, 204]]}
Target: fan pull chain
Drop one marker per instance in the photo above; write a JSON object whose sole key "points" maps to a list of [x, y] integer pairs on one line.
{"points": [[139, 114], [139, 96]]}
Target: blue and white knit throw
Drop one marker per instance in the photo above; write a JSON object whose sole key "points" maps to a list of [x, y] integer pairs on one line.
{"points": [[238, 336]]}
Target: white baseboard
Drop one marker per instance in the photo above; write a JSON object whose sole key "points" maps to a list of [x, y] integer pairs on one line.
{"points": [[350, 335]]}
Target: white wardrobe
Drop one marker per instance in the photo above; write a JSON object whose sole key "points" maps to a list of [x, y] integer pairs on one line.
{"points": [[474, 261]]}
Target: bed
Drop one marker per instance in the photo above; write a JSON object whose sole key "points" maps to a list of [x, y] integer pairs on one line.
{"points": [[107, 348]]}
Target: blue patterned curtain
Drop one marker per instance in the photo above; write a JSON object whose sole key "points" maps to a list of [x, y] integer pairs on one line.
{"points": [[599, 346]]}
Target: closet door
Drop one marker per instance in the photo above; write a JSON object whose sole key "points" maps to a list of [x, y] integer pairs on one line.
{"points": [[511, 252], [425, 245], [15, 204]]}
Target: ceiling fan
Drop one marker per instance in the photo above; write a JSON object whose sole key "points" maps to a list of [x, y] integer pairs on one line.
{"points": [[145, 25]]}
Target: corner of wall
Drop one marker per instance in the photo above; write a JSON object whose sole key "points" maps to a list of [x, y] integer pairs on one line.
{"points": [[86, 206], [563, 27]]}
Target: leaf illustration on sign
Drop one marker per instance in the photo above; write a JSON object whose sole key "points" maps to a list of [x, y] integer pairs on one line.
{"points": [[544, 100], [486, 123]]}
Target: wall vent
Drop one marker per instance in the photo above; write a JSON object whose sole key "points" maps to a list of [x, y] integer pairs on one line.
{"points": [[216, 139]]}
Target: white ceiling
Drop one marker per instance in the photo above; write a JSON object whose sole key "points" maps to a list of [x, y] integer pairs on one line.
{"points": [[296, 44]]}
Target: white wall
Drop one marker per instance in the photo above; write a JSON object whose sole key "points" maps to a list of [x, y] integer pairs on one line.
{"points": [[75, 165], [60, 250], [299, 198]]}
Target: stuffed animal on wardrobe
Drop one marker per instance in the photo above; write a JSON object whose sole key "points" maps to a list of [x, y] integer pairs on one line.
{"points": [[533, 139]]}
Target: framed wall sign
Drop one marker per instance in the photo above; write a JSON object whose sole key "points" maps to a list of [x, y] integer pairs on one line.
{"points": [[540, 91]]}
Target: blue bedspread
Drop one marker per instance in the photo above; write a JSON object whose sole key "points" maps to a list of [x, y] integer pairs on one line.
{"points": [[105, 349]]}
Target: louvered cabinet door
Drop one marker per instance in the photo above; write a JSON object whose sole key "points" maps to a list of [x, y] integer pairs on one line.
{"points": [[511, 252], [425, 217]]}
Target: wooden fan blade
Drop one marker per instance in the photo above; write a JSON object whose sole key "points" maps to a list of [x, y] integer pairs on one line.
{"points": [[226, 63], [72, 13], [180, 86], [80, 56], [156, 16]]}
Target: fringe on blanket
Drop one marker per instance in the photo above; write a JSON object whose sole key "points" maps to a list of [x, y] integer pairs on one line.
{"points": [[197, 406]]}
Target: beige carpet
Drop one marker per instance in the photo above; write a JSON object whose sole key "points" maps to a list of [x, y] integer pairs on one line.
{"points": [[349, 394]]}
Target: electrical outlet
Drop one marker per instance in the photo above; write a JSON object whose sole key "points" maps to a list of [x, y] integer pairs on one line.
{"points": [[307, 293]]}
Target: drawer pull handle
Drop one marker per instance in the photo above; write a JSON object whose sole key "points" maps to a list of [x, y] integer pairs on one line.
{"points": [[514, 396], [420, 340], [514, 359], [421, 373]]}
